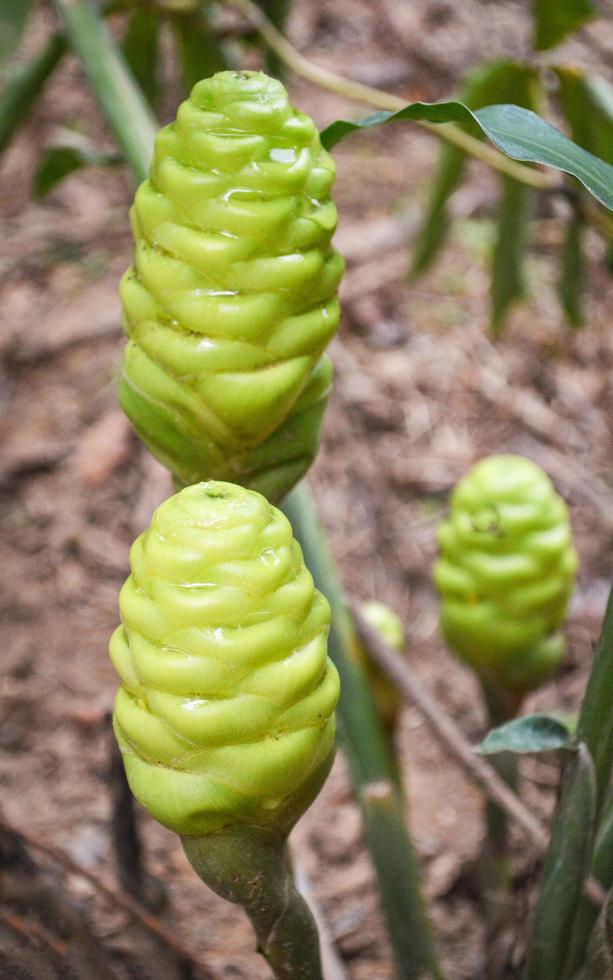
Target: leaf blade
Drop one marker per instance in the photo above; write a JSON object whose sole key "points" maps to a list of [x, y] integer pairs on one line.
{"points": [[58, 162], [14, 16], [200, 52], [496, 81], [24, 85], [564, 871], [533, 733], [554, 19], [140, 48], [507, 268], [572, 272], [517, 132]]}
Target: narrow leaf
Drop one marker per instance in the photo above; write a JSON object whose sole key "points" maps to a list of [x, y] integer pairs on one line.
{"points": [[507, 272], [141, 50], [565, 869], [602, 871], [497, 81], [59, 162], [517, 132], [111, 81], [23, 86], [533, 733], [596, 718], [13, 19], [587, 104], [572, 272], [554, 19], [276, 11], [435, 225], [599, 959], [200, 52]]}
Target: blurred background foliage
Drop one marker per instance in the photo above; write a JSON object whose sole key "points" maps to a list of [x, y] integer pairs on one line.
{"points": [[170, 42]]}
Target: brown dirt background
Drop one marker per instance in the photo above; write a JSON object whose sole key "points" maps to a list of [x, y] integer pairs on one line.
{"points": [[421, 392]]}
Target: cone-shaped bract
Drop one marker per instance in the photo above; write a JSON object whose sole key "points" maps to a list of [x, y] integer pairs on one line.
{"points": [[506, 572], [231, 299], [226, 710]]}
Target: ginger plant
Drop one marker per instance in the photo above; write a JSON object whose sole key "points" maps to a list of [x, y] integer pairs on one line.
{"points": [[225, 714], [505, 574], [228, 307]]}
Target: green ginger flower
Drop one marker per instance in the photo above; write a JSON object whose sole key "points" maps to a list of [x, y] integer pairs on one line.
{"points": [[506, 572], [231, 300], [225, 715]]}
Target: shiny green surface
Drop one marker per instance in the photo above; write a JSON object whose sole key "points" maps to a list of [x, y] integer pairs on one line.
{"points": [[226, 710], [231, 300], [506, 571]]}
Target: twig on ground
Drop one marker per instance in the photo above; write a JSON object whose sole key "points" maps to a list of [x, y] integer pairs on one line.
{"points": [[456, 745], [150, 922]]}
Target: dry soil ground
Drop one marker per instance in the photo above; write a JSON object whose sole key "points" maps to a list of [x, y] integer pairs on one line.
{"points": [[421, 392]]}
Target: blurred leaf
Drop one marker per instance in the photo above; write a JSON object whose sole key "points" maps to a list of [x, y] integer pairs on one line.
{"points": [[572, 274], [507, 272], [200, 52], [498, 81], [587, 103], [60, 161], [112, 83], [24, 84], [140, 48], [554, 19], [436, 225], [596, 717], [599, 958], [276, 11], [517, 132], [564, 871], [533, 733], [602, 871], [13, 19]]}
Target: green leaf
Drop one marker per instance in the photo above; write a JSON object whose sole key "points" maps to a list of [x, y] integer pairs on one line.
{"points": [[140, 48], [507, 273], [565, 870], [497, 81], [517, 132], [599, 958], [596, 717], [587, 104], [276, 11], [13, 19], [554, 19], [200, 52], [572, 273], [60, 161], [532, 733], [602, 871], [111, 82], [23, 86], [435, 226]]}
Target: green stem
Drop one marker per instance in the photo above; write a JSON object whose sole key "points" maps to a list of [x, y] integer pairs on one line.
{"points": [[249, 866], [112, 83], [371, 768], [23, 86], [494, 862]]}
